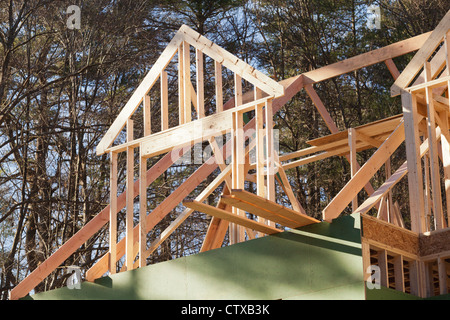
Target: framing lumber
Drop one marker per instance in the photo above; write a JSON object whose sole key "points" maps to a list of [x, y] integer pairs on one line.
{"points": [[351, 189], [113, 213], [231, 62], [137, 96], [425, 51], [273, 207], [233, 218], [130, 198]]}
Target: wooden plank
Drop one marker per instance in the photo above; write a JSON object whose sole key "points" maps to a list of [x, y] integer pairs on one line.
{"points": [[365, 59], [364, 174], [181, 83], [273, 207], [416, 63], [222, 214], [392, 68], [445, 145], [258, 211], [185, 135], [372, 129], [231, 62], [270, 153], [137, 96], [236, 233], [353, 161], [321, 108], [237, 90], [399, 274], [164, 102], [443, 277], [187, 82], [259, 127], [288, 189], [219, 86], [142, 209], [200, 84], [415, 179], [383, 264], [434, 161], [147, 114], [130, 197], [113, 212]]}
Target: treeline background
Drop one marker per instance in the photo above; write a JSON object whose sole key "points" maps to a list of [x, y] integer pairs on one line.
{"points": [[61, 88]]}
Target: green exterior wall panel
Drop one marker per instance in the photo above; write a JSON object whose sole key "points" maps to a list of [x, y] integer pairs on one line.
{"points": [[321, 261]]}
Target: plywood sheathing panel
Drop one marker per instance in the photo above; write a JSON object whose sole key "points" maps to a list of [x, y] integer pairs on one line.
{"points": [[399, 239], [434, 243]]}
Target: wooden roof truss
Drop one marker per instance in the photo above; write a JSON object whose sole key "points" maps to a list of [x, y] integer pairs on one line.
{"points": [[423, 127]]}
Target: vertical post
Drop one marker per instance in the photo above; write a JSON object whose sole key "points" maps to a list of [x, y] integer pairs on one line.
{"points": [[142, 208], [238, 156], [260, 177], [270, 155], [434, 161], [219, 90], [353, 162], [415, 180], [237, 90], [129, 199], [200, 84], [365, 247], [181, 85], [399, 274], [443, 278], [113, 213], [187, 81], [383, 264], [445, 146], [147, 116], [164, 102]]}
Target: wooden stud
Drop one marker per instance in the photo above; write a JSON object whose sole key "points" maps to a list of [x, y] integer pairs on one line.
{"points": [[237, 90], [142, 209], [353, 161], [365, 251], [147, 116], [187, 81], [383, 264], [259, 127], [130, 197], [199, 206], [443, 278], [434, 164], [164, 102], [392, 68], [113, 213], [399, 274], [415, 179], [200, 84], [181, 85], [270, 152], [219, 88]]}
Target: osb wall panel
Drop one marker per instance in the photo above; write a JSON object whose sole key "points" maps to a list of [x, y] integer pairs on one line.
{"points": [[435, 243], [389, 235]]}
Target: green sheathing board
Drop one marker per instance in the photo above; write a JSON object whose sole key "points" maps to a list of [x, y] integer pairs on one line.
{"points": [[321, 261]]}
